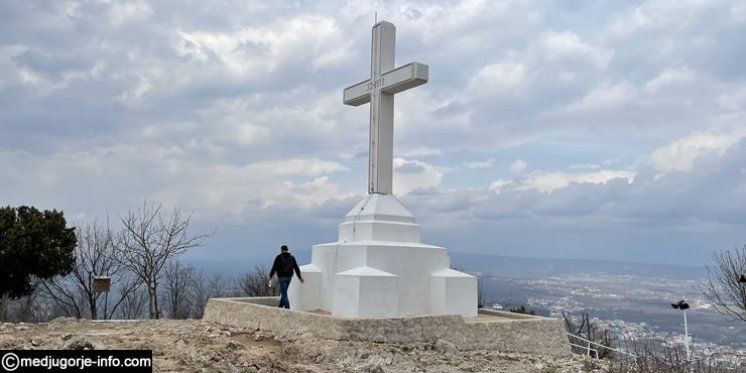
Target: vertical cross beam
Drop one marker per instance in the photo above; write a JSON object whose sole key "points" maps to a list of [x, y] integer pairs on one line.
{"points": [[379, 90], [380, 162]]}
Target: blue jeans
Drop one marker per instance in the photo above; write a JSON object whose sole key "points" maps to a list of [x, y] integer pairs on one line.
{"points": [[284, 284]]}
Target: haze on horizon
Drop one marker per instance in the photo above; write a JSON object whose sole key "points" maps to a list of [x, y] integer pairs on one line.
{"points": [[577, 129]]}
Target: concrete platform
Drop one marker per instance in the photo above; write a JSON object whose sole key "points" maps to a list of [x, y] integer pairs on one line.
{"points": [[503, 331]]}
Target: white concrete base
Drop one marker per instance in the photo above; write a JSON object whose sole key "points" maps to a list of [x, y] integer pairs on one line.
{"points": [[312, 278], [379, 268], [365, 292], [452, 292]]}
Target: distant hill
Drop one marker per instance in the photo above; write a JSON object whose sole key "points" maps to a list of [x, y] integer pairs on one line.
{"points": [[500, 265], [236, 266], [520, 267]]}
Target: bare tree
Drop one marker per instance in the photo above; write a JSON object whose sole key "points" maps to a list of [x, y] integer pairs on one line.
{"points": [[179, 280], [723, 288], [134, 304], [149, 240], [95, 255], [217, 286], [480, 292], [255, 283], [29, 308], [586, 328], [653, 357], [65, 296], [34, 307], [205, 288], [4, 303], [200, 294]]}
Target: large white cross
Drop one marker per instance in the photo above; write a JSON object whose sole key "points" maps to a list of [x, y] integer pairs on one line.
{"points": [[379, 90]]}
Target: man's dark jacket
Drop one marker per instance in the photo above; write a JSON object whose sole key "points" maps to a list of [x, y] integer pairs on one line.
{"points": [[284, 266]]}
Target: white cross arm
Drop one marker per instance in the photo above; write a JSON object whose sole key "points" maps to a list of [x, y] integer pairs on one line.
{"points": [[394, 81]]}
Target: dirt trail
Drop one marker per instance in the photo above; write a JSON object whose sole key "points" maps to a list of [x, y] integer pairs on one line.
{"points": [[197, 346]]}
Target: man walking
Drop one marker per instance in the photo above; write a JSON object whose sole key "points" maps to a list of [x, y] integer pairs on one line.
{"points": [[284, 266]]}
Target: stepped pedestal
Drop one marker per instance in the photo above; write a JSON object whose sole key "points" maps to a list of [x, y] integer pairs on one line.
{"points": [[379, 268]]}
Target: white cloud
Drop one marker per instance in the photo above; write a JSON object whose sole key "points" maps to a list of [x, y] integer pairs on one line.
{"points": [[314, 192], [124, 11], [585, 166], [413, 174], [122, 175], [238, 190], [421, 151], [498, 78], [478, 165], [437, 21], [630, 22], [518, 167], [249, 133], [681, 154], [567, 47], [253, 51], [606, 97], [669, 15], [734, 100], [548, 182], [738, 12], [134, 96], [299, 166], [670, 78]]}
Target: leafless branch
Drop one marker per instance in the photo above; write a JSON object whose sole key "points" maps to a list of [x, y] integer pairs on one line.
{"points": [[723, 288], [149, 240]]}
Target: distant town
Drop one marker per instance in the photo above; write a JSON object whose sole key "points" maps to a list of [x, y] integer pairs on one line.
{"points": [[632, 307]]}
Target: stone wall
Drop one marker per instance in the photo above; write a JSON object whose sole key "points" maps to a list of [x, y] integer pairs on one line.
{"points": [[504, 331]]}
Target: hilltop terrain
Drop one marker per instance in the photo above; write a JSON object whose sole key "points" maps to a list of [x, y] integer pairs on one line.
{"points": [[198, 346]]}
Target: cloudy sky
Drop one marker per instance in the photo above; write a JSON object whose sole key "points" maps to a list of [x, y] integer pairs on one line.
{"points": [[599, 129]]}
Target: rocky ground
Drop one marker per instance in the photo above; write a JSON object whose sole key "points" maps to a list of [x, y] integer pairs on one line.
{"points": [[198, 346]]}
